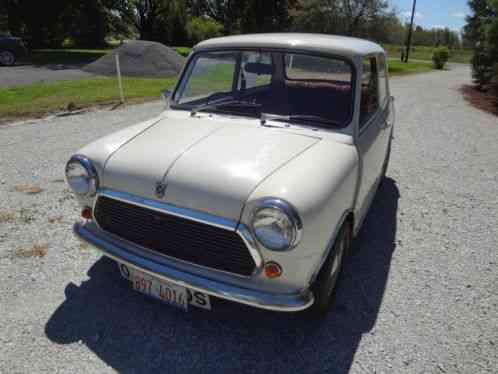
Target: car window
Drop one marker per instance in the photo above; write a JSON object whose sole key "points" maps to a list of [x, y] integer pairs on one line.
{"points": [[211, 73], [369, 90], [305, 67], [383, 91]]}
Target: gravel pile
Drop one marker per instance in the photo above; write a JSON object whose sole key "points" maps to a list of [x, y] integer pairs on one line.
{"points": [[139, 59]]}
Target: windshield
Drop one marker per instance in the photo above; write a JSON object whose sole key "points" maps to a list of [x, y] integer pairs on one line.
{"points": [[293, 86]]}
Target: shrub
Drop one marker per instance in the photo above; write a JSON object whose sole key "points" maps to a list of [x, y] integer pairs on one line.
{"points": [[201, 28], [494, 82], [183, 51], [440, 57]]}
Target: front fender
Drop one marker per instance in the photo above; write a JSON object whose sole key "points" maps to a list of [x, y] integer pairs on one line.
{"points": [[320, 184]]}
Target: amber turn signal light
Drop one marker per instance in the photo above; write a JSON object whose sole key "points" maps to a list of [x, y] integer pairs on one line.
{"points": [[273, 270], [86, 212]]}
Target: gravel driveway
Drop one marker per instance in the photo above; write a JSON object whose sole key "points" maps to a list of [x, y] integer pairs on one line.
{"points": [[24, 75], [419, 293]]}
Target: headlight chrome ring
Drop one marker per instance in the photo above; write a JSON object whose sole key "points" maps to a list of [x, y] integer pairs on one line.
{"points": [[82, 176], [276, 224]]}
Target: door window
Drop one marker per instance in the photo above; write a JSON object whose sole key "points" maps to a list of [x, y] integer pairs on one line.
{"points": [[383, 90], [369, 90]]}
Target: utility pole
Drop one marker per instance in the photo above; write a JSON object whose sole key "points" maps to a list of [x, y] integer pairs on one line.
{"points": [[409, 39]]}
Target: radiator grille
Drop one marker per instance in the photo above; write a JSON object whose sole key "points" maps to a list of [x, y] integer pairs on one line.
{"points": [[176, 237]]}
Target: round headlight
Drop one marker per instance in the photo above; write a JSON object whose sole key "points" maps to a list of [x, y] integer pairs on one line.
{"points": [[81, 176], [276, 225]]}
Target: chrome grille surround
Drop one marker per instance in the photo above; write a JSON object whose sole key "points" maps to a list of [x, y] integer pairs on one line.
{"points": [[189, 214]]}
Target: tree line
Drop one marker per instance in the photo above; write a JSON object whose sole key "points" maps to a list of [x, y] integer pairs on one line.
{"points": [[185, 22]]}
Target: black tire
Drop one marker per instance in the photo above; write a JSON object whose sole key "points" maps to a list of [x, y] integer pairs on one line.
{"points": [[7, 58], [328, 278]]}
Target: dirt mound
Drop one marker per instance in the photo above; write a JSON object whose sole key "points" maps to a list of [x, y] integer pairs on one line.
{"points": [[139, 59]]}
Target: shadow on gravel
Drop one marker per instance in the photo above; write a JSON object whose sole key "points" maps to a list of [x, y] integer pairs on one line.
{"points": [[131, 333]]}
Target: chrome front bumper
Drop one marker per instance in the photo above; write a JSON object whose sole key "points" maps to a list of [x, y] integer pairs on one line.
{"points": [[259, 299]]}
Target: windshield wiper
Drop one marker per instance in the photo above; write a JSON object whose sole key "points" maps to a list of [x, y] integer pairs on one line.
{"points": [[222, 102], [296, 117], [313, 118]]}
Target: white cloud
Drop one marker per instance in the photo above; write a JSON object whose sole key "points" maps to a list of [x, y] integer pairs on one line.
{"points": [[458, 15], [438, 26], [408, 14]]}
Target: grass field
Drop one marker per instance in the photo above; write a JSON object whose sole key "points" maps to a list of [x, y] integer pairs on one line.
{"points": [[396, 67], [425, 53], [45, 97]]}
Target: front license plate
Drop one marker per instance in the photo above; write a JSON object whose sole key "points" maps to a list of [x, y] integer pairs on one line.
{"points": [[167, 292]]}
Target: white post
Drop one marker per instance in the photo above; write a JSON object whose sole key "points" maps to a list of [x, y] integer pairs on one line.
{"points": [[118, 71]]}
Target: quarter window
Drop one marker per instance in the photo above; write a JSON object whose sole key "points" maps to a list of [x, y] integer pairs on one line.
{"points": [[369, 90]]}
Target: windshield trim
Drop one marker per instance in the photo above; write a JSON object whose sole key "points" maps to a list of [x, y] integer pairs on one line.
{"points": [[193, 55]]}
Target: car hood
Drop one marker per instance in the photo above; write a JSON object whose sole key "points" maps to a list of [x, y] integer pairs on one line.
{"points": [[207, 164]]}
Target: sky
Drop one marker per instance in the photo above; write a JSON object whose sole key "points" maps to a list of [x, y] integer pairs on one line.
{"points": [[434, 13]]}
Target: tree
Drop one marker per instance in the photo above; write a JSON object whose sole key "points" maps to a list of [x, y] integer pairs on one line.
{"points": [[40, 24], [345, 17], [266, 16], [226, 12], [201, 28], [477, 31], [157, 20]]}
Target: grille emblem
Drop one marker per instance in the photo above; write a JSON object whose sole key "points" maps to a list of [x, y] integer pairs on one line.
{"points": [[160, 189]]}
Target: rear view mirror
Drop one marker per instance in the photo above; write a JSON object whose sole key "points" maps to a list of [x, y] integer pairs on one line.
{"points": [[259, 68]]}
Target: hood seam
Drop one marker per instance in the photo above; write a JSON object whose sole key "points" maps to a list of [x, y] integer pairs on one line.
{"points": [[184, 151]]}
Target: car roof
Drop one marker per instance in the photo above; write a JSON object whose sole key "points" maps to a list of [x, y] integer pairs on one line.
{"points": [[341, 45]]}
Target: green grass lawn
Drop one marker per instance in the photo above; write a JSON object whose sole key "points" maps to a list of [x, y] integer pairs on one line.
{"points": [[425, 53], [46, 97], [396, 67]]}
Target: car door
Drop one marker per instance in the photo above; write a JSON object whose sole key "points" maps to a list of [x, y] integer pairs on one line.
{"points": [[373, 129]]}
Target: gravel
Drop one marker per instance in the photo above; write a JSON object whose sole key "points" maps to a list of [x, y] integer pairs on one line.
{"points": [[139, 58], [419, 293]]}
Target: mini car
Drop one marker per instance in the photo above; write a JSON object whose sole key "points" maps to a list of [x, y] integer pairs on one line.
{"points": [[253, 181]]}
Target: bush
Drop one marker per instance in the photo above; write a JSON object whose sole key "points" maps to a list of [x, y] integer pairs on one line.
{"points": [[201, 28], [494, 81], [440, 57], [183, 51]]}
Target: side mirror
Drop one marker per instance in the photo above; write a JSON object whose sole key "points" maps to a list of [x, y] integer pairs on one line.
{"points": [[166, 96]]}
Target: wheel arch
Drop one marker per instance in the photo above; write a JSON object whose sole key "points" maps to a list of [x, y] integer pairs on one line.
{"points": [[346, 218]]}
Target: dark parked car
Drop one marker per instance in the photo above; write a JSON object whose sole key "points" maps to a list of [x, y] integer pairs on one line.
{"points": [[11, 49]]}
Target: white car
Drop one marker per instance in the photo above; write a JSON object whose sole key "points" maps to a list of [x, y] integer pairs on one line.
{"points": [[253, 181]]}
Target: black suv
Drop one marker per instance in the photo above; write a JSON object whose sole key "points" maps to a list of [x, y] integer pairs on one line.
{"points": [[11, 49]]}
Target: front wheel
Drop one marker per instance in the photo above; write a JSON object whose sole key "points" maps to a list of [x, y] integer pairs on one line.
{"points": [[7, 58], [324, 286]]}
